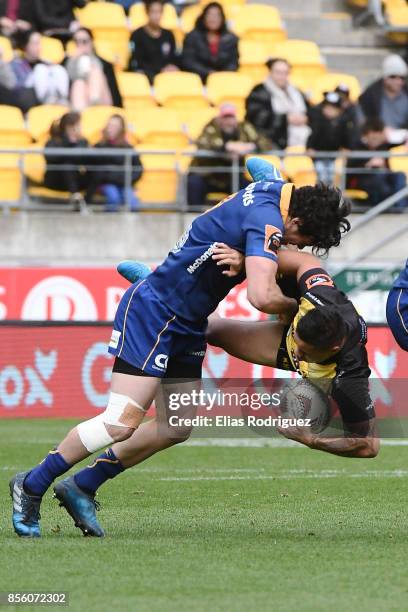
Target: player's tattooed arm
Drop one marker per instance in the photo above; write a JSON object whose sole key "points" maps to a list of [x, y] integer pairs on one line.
{"points": [[225, 255], [360, 440]]}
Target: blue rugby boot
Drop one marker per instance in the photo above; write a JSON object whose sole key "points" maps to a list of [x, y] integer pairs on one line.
{"points": [[262, 170], [133, 271], [80, 506], [26, 509]]}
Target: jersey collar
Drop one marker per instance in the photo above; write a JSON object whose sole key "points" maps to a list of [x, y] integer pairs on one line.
{"points": [[286, 194]]}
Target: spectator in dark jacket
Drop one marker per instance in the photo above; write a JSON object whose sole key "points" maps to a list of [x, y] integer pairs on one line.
{"points": [[277, 109], [210, 47], [54, 17], [93, 79], [232, 140], [387, 98], [66, 133], [153, 47], [113, 183], [14, 16], [374, 175], [330, 132]]}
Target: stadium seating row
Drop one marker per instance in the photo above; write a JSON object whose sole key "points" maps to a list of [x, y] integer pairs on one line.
{"points": [[396, 14], [161, 176]]}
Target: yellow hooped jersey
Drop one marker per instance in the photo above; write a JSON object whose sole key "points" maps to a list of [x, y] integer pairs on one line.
{"points": [[345, 375]]}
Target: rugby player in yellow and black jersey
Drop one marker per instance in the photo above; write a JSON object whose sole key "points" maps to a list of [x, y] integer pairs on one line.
{"points": [[325, 342]]}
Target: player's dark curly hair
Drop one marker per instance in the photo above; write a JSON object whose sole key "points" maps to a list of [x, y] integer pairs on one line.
{"points": [[322, 328], [322, 211]]}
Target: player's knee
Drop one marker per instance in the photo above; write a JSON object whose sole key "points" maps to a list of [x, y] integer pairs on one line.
{"points": [[372, 448], [179, 435], [119, 434]]}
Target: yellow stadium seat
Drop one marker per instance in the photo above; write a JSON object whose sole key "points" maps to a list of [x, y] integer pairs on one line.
{"points": [[52, 50], [10, 178], [159, 127], [12, 128], [194, 121], [6, 49], [231, 87], [135, 90], [303, 55], [397, 18], [260, 22], [399, 164], [358, 3], [95, 118], [159, 180], [299, 169], [329, 82], [109, 27], [253, 56], [40, 118], [34, 167], [189, 17], [179, 90]]}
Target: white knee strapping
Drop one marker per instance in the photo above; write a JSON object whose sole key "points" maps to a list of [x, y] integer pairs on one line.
{"points": [[93, 433]]}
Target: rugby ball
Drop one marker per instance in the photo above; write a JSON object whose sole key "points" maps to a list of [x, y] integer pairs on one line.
{"points": [[301, 399]]}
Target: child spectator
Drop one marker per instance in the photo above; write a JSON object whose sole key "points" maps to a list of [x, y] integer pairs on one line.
{"points": [[93, 79], [210, 47], [66, 133], [153, 48], [330, 132], [36, 81], [112, 183]]}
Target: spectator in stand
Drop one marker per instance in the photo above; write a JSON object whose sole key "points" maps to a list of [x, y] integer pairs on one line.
{"points": [[7, 84], [210, 47], [331, 131], [231, 138], [387, 98], [112, 183], [375, 176], [93, 79], [153, 48], [277, 109], [36, 81], [55, 17], [350, 110], [66, 133], [14, 16]]}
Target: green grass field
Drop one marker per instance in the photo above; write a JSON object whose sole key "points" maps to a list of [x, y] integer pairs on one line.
{"points": [[209, 528]]}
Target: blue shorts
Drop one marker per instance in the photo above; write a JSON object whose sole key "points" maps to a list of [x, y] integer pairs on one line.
{"points": [[397, 315], [147, 335]]}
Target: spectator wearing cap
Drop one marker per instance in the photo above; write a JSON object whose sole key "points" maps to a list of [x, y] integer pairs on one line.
{"points": [[350, 110], [387, 98], [277, 109], [232, 140], [373, 174], [210, 47], [330, 132], [153, 47]]}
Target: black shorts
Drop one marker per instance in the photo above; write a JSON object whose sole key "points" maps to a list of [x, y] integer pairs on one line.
{"points": [[283, 361], [175, 369]]}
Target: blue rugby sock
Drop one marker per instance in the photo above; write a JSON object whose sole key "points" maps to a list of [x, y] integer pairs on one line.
{"points": [[41, 477], [104, 467]]}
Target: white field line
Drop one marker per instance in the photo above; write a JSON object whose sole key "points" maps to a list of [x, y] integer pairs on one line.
{"points": [[268, 442], [290, 476]]}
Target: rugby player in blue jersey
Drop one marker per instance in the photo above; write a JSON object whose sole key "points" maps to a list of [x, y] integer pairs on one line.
{"points": [[160, 325]]}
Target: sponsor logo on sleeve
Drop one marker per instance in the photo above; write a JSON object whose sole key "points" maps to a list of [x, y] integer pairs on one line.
{"points": [[318, 280], [114, 341], [273, 239]]}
